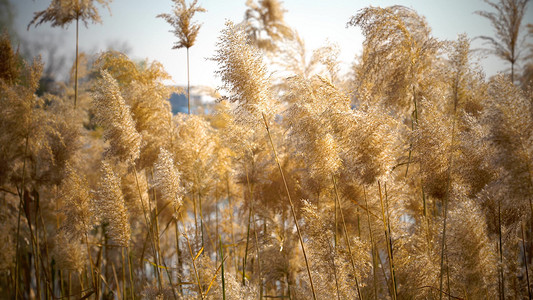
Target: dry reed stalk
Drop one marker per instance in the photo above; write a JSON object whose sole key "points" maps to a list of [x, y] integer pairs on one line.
{"points": [[130, 268], [337, 199], [193, 258], [447, 196], [47, 272], [258, 256], [525, 261], [116, 282], [93, 270], [123, 272], [222, 265], [76, 71], [178, 254], [251, 191], [291, 205], [21, 197], [161, 259], [231, 225], [373, 245], [388, 241], [149, 226], [246, 247]]}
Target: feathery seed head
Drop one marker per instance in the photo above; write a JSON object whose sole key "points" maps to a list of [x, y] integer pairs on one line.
{"points": [[62, 12], [69, 253], [167, 179], [74, 192], [110, 206], [244, 75], [114, 115], [181, 19]]}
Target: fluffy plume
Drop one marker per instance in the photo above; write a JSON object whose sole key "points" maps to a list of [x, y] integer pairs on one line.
{"points": [[62, 12], [110, 206], [167, 179], [69, 254], [184, 29], [244, 75], [75, 195], [398, 51], [114, 115]]}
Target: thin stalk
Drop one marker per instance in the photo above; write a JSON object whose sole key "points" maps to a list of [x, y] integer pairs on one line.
{"points": [[119, 295], [195, 216], [188, 86], [47, 271], [389, 284], [446, 200], [76, 71], [246, 248], [149, 226], [35, 248], [288, 285], [426, 217], [93, 268], [130, 267], [447, 276], [525, 261], [201, 216], [231, 223], [178, 254], [123, 273], [35, 253], [337, 199], [335, 222], [291, 205], [499, 277], [194, 267], [390, 239], [251, 191], [217, 233], [389, 244], [500, 249], [372, 244], [222, 260], [61, 283], [335, 271], [155, 224], [69, 283], [21, 196], [258, 256], [82, 286], [161, 259]]}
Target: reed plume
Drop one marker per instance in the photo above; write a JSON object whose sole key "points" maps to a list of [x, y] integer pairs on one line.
{"points": [[61, 13], [167, 179], [114, 115], [185, 30], [244, 76], [110, 207]]}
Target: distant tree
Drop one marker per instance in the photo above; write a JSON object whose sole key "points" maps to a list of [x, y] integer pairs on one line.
{"points": [[63, 12], [507, 23], [185, 30], [7, 14]]}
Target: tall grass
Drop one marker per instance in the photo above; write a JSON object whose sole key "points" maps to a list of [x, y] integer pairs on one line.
{"points": [[409, 177]]}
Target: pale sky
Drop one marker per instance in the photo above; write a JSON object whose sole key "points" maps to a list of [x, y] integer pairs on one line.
{"points": [[134, 23]]}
